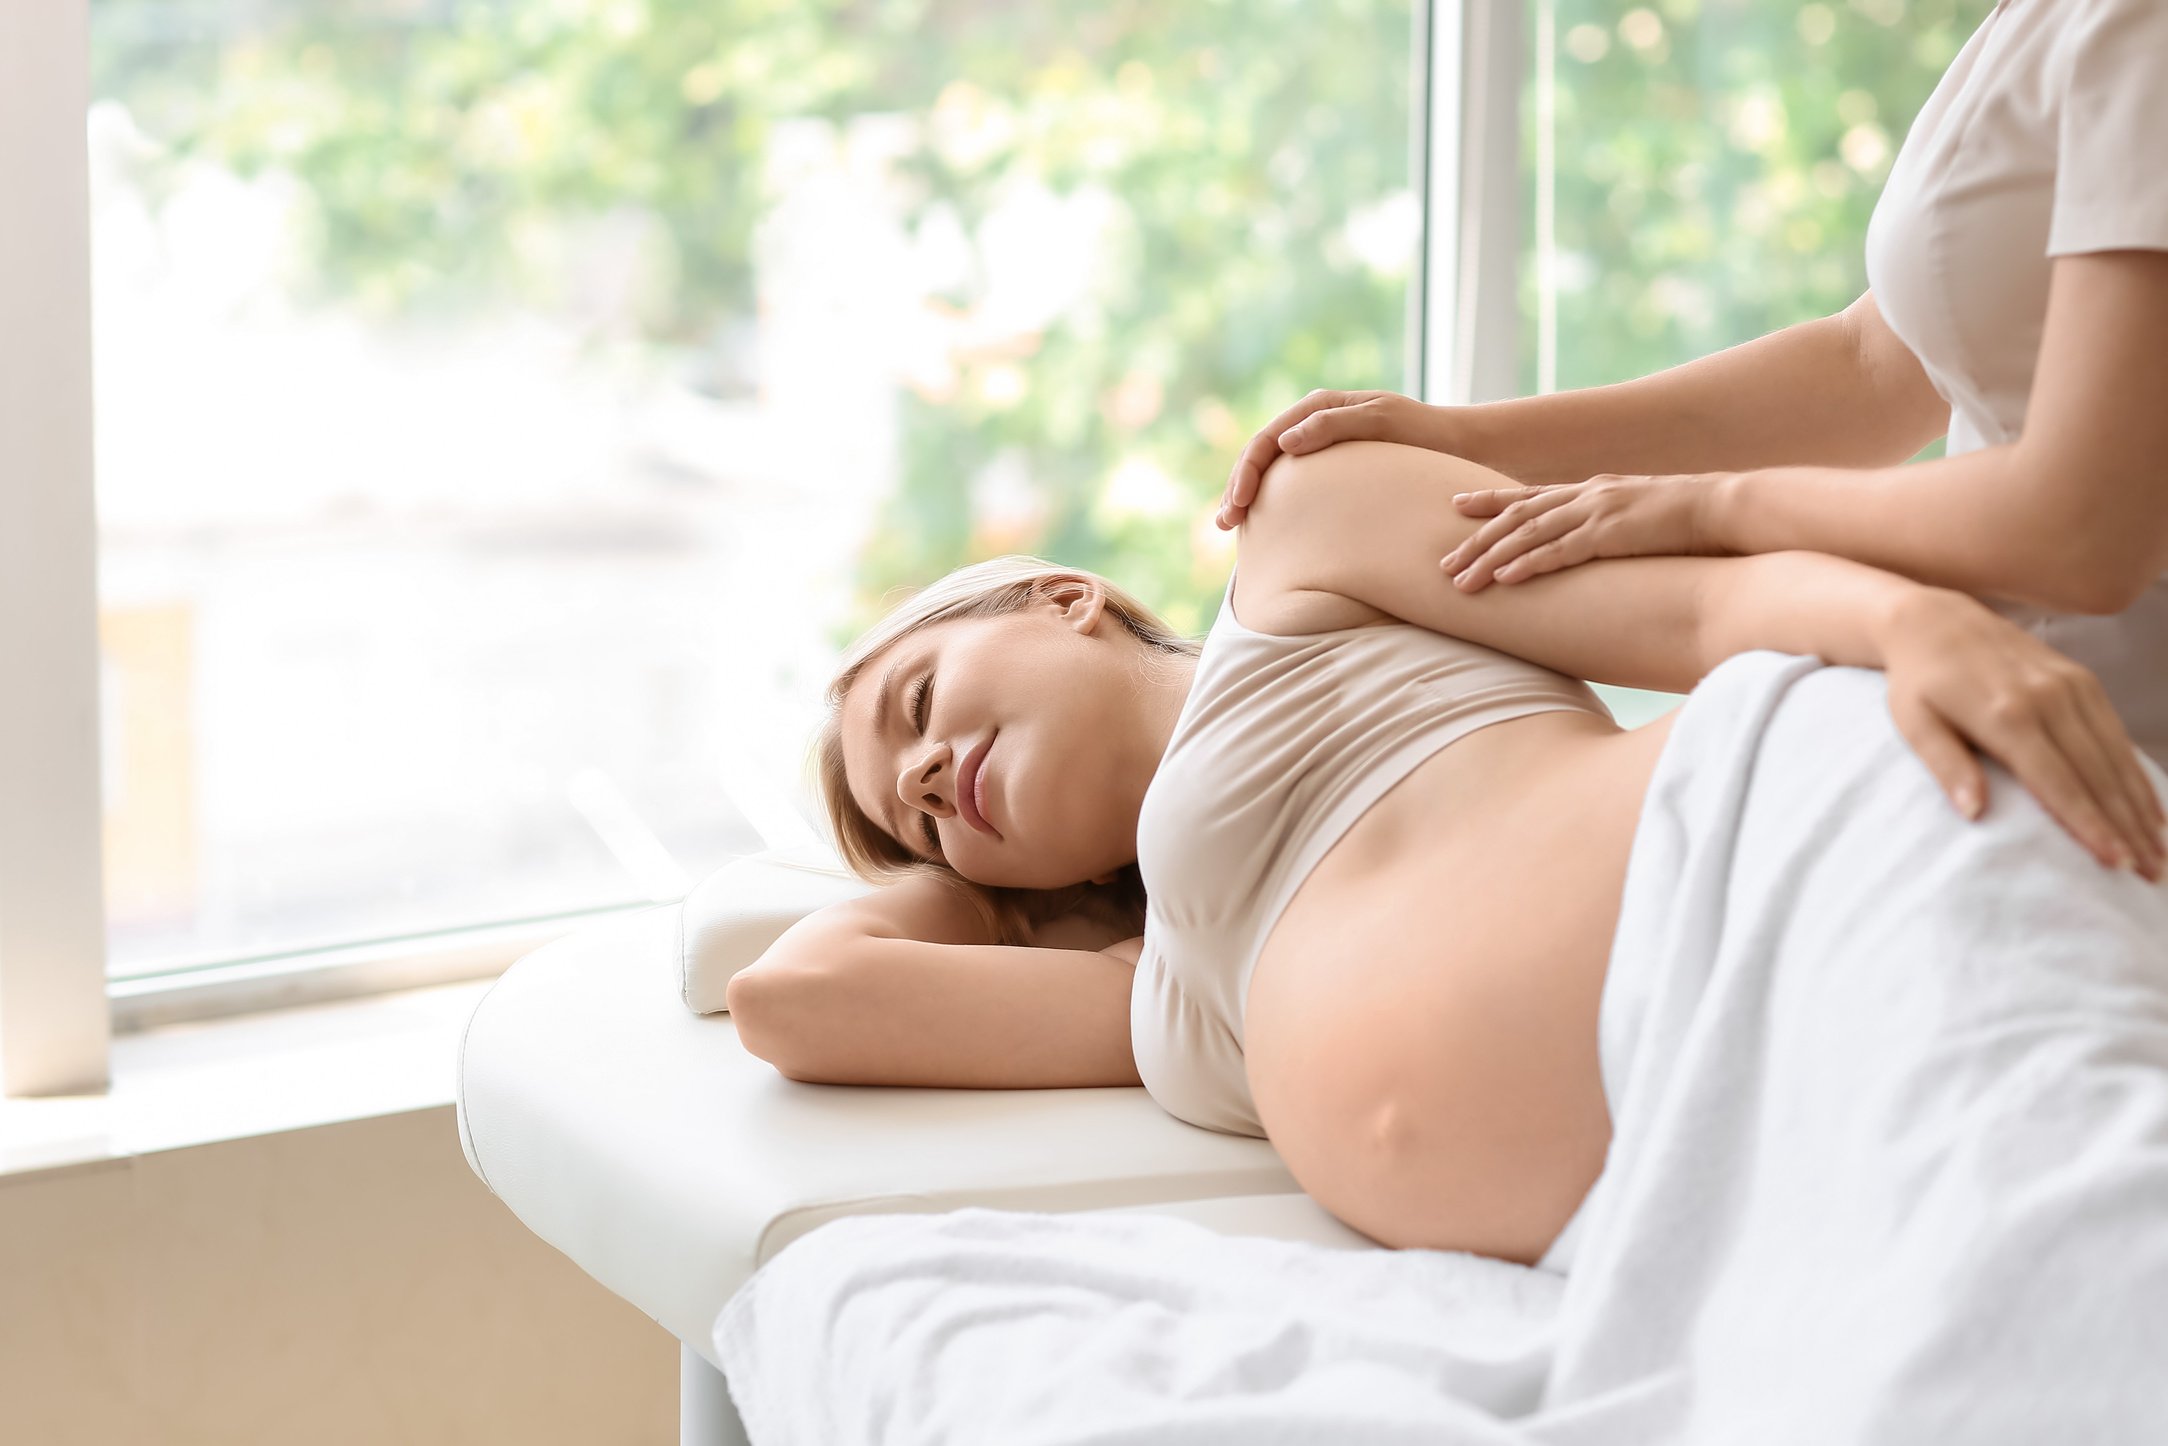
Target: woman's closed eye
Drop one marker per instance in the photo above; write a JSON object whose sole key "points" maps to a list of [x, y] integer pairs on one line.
{"points": [[920, 691]]}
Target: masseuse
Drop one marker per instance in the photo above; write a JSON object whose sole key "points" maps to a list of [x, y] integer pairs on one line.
{"points": [[2017, 269]]}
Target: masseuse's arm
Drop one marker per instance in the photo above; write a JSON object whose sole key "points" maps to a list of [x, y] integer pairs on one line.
{"points": [[1365, 520], [2072, 515], [902, 986], [1838, 391]]}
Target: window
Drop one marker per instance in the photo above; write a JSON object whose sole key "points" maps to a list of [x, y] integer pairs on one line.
{"points": [[505, 411]]}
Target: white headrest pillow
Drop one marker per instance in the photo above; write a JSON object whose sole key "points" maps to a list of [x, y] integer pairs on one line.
{"points": [[744, 906]]}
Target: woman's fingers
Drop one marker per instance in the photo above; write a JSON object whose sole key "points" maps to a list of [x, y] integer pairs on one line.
{"points": [[1350, 421], [1487, 549], [1575, 548], [2155, 810], [1250, 467], [1946, 754], [2020, 736], [2074, 737], [2093, 734], [2139, 783], [2133, 791], [1494, 500], [1954, 667]]}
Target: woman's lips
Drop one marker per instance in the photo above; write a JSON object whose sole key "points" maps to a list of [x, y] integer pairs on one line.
{"points": [[971, 797]]}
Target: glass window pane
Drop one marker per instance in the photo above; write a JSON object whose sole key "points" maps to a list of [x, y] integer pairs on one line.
{"points": [[507, 410], [1701, 172]]}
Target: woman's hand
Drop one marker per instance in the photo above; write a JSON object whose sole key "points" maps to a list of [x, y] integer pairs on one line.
{"points": [[1534, 530], [1960, 674], [1323, 418]]}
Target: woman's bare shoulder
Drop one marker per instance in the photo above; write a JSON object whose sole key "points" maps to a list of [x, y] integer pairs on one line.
{"points": [[1270, 556]]}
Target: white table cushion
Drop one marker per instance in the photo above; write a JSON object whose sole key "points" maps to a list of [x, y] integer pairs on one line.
{"points": [[638, 1137]]}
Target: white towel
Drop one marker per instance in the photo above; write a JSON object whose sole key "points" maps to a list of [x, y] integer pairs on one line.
{"points": [[1890, 1164]]}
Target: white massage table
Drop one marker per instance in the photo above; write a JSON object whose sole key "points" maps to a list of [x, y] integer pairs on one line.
{"points": [[603, 1096]]}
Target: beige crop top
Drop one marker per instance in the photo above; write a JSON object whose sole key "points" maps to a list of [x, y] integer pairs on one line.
{"points": [[1281, 745]]}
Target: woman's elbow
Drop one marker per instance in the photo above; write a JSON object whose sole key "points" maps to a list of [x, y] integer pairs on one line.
{"points": [[2101, 586], [2096, 553], [751, 998]]}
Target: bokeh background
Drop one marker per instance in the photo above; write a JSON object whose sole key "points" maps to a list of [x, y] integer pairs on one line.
{"points": [[506, 409]]}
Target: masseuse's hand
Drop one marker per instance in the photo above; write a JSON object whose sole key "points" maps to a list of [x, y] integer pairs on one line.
{"points": [[1961, 675], [1323, 418], [1535, 530]]}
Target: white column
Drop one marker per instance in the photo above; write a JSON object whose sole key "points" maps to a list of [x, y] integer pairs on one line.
{"points": [[1472, 201], [54, 1034], [1546, 196]]}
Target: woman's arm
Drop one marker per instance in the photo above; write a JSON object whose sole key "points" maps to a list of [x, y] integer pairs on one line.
{"points": [[900, 987], [1839, 390], [1367, 521], [2072, 516]]}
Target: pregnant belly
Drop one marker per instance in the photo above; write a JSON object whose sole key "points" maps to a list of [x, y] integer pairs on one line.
{"points": [[1420, 1031]]}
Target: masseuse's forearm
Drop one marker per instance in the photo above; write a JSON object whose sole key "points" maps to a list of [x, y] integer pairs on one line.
{"points": [[1803, 395], [1987, 523]]}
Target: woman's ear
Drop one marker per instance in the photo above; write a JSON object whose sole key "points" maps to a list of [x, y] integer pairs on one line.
{"points": [[1079, 600]]}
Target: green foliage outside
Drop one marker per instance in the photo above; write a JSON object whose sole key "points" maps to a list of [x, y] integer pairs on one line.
{"points": [[1714, 182], [1715, 165], [1717, 162], [1239, 137]]}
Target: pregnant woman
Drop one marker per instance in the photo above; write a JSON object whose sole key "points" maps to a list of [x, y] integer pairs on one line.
{"points": [[2017, 269], [1377, 829]]}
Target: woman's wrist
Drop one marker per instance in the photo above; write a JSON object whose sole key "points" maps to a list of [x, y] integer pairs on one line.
{"points": [[1843, 612], [1478, 433], [1915, 610], [1445, 429], [1726, 519], [1537, 441]]}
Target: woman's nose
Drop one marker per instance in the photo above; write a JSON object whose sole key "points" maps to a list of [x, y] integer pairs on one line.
{"points": [[927, 782]]}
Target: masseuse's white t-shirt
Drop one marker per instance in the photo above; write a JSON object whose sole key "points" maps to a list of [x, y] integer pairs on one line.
{"points": [[2047, 137]]}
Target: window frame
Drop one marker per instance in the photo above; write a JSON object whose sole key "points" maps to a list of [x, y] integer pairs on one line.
{"points": [[58, 1010], [54, 1032], [1468, 285]]}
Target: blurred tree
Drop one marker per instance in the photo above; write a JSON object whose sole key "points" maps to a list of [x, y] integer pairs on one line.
{"points": [[1716, 164], [437, 141]]}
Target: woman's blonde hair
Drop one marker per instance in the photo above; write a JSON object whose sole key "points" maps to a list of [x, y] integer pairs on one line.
{"points": [[993, 588]]}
